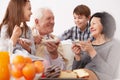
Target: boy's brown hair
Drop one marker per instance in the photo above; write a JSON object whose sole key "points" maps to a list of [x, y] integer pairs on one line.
{"points": [[82, 10]]}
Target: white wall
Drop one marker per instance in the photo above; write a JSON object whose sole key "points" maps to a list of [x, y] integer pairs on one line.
{"points": [[63, 11]]}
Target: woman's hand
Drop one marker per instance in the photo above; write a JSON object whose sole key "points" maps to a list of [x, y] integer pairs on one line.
{"points": [[87, 46]]}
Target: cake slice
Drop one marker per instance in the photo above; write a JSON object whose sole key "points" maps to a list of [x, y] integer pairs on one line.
{"points": [[67, 74], [81, 73]]}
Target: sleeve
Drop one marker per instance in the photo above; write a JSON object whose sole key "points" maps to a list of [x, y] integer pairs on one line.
{"points": [[59, 62], [32, 42], [100, 67], [106, 69], [3, 32], [66, 34], [85, 59]]}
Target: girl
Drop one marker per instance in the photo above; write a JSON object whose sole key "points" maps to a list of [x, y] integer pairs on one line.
{"points": [[14, 27]]}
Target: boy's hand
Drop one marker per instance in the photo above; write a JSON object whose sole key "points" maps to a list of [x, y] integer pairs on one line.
{"points": [[76, 49]]}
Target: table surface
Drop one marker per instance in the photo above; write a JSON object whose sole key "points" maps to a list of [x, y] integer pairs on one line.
{"points": [[61, 79]]}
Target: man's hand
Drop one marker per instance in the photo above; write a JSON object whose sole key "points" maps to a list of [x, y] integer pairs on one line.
{"points": [[52, 47], [37, 39]]}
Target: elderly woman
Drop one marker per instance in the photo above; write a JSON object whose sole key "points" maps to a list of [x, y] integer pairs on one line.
{"points": [[103, 51]]}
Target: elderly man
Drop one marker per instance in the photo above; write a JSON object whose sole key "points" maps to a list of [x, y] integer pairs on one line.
{"points": [[47, 45]]}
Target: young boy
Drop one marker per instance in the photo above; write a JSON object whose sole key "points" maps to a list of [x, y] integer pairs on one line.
{"points": [[79, 32], [81, 15]]}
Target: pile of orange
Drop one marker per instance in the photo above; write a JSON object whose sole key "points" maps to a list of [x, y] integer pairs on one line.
{"points": [[25, 67]]}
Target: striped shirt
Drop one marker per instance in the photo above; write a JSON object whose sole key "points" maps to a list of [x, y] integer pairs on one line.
{"points": [[75, 33]]}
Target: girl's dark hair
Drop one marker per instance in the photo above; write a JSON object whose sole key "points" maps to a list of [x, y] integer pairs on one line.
{"points": [[108, 22], [14, 15]]}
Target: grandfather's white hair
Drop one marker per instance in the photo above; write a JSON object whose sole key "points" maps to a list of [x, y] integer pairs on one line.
{"points": [[39, 12]]}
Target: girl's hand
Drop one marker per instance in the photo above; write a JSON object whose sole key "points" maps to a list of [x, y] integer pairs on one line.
{"points": [[16, 34], [25, 45], [17, 31]]}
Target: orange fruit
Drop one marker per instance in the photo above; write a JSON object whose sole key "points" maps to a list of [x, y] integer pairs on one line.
{"points": [[28, 60], [18, 61], [15, 72], [29, 71], [39, 66], [4, 66]]}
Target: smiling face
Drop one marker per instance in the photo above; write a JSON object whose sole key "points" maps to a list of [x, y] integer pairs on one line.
{"points": [[95, 27], [27, 11], [46, 22], [80, 21]]}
